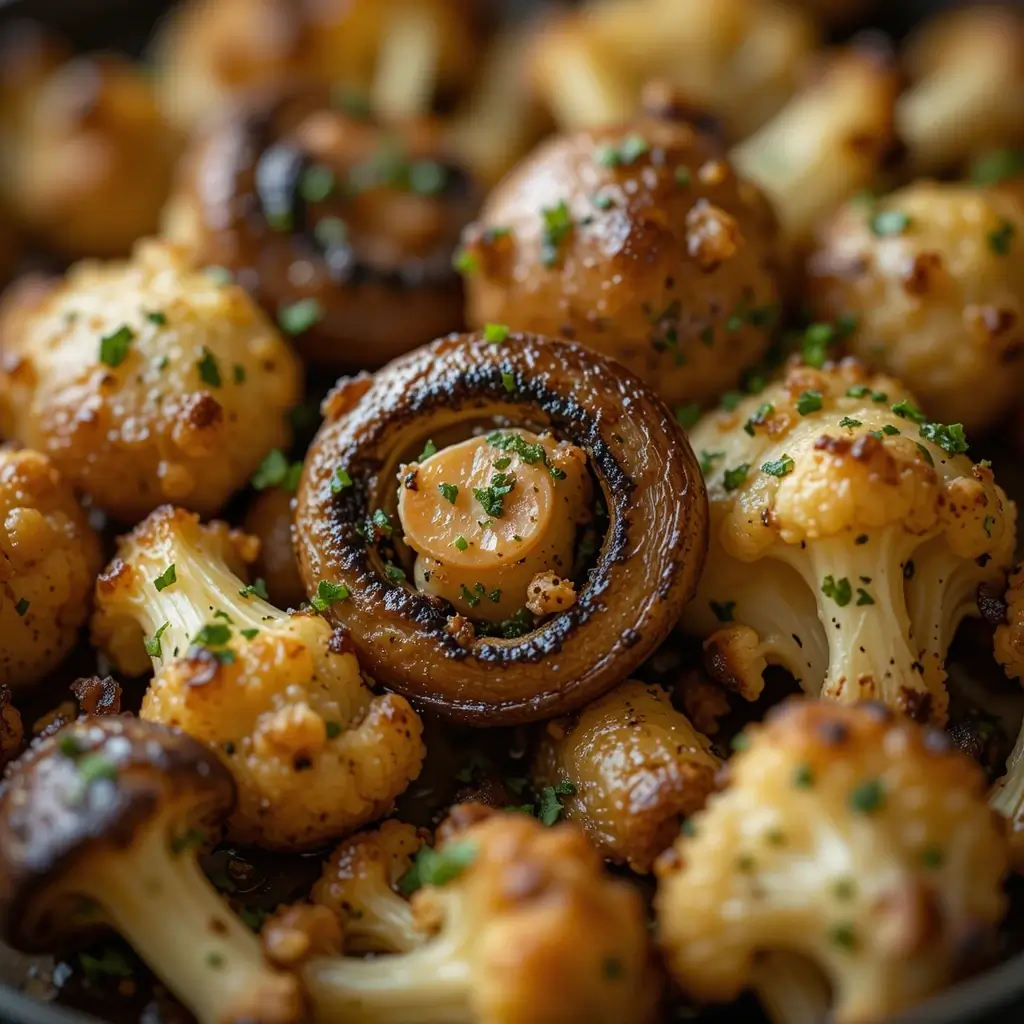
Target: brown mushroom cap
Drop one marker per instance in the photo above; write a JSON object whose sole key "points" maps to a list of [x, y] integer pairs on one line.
{"points": [[645, 572], [93, 784], [637, 240], [358, 220]]}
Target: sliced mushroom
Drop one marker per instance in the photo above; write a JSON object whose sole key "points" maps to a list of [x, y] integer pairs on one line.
{"points": [[349, 521]]}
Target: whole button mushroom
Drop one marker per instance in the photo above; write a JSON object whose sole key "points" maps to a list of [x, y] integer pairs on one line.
{"points": [[342, 226], [514, 521], [99, 825], [637, 240]]}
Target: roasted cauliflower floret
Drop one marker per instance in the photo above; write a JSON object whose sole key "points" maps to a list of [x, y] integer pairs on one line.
{"points": [[359, 885], [314, 753], [49, 557], [147, 381], [934, 276], [849, 538], [527, 928], [635, 767], [852, 837]]}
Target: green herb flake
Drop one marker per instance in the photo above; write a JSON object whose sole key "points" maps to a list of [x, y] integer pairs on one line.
{"points": [[868, 797], [932, 857], [96, 766], [889, 430], [249, 634], [988, 524], [687, 414], [276, 471], [730, 400], [157, 317], [114, 347], [996, 166], [808, 402], [382, 521], [461, 543], [168, 577], [839, 590], [258, 588], [803, 776], [925, 454], [723, 610], [508, 381], [22, 607], [889, 223], [437, 866], [449, 492], [707, 461], [299, 317], [951, 439], [465, 262], [848, 421], [327, 594], [763, 413], [778, 467], [333, 729], [735, 477], [317, 183], [429, 449], [393, 572], [340, 480], [495, 334], [843, 936], [209, 371], [906, 409], [1000, 240], [152, 643], [557, 225], [863, 597], [550, 804]]}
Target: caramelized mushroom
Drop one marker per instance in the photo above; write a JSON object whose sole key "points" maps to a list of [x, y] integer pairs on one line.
{"points": [[638, 240], [511, 432], [343, 227]]}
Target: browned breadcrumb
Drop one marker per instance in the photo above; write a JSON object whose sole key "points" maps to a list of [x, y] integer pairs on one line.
{"points": [[294, 934], [712, 235], [548, 593], [703, 702]]}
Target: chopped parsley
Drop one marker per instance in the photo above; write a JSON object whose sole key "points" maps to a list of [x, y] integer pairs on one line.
{"points": [[437, 867], [707, 461], [557, 225], [735, 477], [495, 334], [300, 316], [889, 222], [157, 317], [166, 578], [1000, 240], [317, 183], [988, 524], [996, 166], [808, 402], [932, 857], [96, 766], [256, 589], [848, 421], [730, 400], [428, 449], [908, 411], [925, 454], [22, 607], [152, 643], [868, 797], [465, 262], [340, 479], [549, 808], [843, 936], [759, 418], [382, 521], [332, 729], [863, 597], [723, 610], [213, 634], [687, 414], [393, 572], [449, 492], [632, 147], [950, 439], [209, 371], [839, 590], [328, 593], [778, 467], [508, 381], [461, 543], [114, 347], [276, 471]]}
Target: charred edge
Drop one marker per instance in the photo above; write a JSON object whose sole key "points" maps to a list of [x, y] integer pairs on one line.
{"points": [[254, 148]]}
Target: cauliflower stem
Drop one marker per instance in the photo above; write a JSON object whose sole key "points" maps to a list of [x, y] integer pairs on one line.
{"points": [[791, 989]]}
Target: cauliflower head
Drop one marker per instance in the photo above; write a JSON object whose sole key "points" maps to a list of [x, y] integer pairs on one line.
{"points": [[847, 835], [635, 767], [49, 557], [934, 275], [147, 381], [314, 753], [849, 539], [527, 927], [359, 885]]}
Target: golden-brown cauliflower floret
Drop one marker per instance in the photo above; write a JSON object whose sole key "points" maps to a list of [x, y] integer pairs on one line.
{"points": [[635, 767], [934, 275], [527, 928], [49, 557], [90, 157], [849, 836], [270, 520], [147, 381], [359, 884], [314, 753], [849, 537]]}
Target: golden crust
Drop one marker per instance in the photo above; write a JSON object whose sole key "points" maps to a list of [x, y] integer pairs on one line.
{"points": [[636, 242], [198, 397], [49, 556], [939, 299], [12, 732], [849, 836], [637, 766]]}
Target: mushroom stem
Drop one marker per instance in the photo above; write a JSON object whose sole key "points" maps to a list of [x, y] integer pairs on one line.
{"points": [[430, 985], [217, 969]]}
